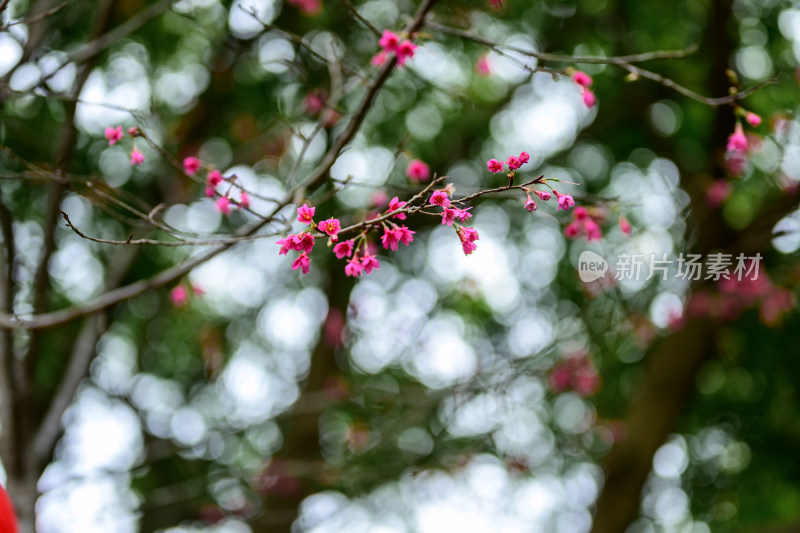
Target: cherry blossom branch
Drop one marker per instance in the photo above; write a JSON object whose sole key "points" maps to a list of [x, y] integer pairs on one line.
{"points": [[321, 173], [624, 62], [107, 299], [142, 242], [562, 58], [478, 194]]}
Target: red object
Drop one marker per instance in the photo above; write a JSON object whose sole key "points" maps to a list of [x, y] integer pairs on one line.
{"points": [[8, 521]]}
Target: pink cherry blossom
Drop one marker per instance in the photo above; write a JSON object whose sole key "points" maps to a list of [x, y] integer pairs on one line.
{"points": [[543, 195], [624, 225], [717, 193], [494, 166], [133, 131], [406, 235], [390, 239], [572, 230], [137, 158], [405, 51], [213, 179], [580, 213], [496, 4], [582, 79], [314, 102], [524, 157], [369, 262], [530, 205], [482, 66], [191, 165], [513, 163], [210, 192], [303, 242], [179, 296], [303, 262], [440, 198], [308, 7], [244, 200], [113, 135], [344, 249], [395, 204], [379, 59], [592, 230], [389, 41], [589, 99], [305, 214], [448, 216], [330, 226], [752, 119], [224, 205], [463, 214], [353, 267], [565, 201], [286, 244], [418, 170], [379, 198], [736, 162], [468, 237], [737, 141]]}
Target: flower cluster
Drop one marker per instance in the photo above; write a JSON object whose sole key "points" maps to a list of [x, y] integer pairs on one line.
{"points": [[575, 373], [584, 223], [738, 146], [390, 43], [585, 81], [303, 242], [114, 135], [513, 163], [214, 178], [734, 296], [450, 213]]}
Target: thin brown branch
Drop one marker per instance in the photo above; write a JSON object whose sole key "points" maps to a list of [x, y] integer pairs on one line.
{"points": [[625, 62], [562, 58], [157, 242], [100, 43], [300, 41], [713, 102], [352, 9], [34, 18]]}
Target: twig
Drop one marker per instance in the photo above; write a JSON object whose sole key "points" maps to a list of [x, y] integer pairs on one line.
{"points": [[142, 242], [561, 58], [350, 7], [34, 18], [100, 43], [300, 41], [624, 62]]}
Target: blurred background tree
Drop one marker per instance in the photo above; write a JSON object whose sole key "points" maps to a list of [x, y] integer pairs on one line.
{"points": [[210, 387]]}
